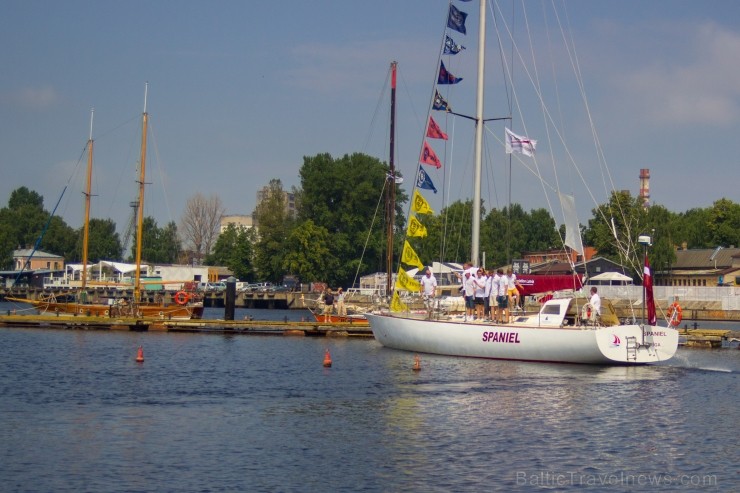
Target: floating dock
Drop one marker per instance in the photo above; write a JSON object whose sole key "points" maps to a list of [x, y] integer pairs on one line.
{"points": [[206, 326]]}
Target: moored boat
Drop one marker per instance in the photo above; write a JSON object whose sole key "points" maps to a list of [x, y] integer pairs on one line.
{"points": [[186, 304]]}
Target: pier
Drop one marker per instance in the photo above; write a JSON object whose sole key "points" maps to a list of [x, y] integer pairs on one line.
{"points": [[204, 326]]}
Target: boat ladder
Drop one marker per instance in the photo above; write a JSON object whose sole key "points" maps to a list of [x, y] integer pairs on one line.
{"points": [[632, 346]]}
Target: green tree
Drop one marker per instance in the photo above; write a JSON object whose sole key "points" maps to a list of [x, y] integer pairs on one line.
{"points": [[22, 197], [24, 221], [307, 252], [628, 218], [159, 245], [234, 249], [724, 223], [274, 223], [344, 196], [692, 227], [104, 242], [540, 231]]}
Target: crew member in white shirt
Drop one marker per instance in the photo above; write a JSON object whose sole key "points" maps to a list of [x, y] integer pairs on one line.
{"points": [[429, 291]]}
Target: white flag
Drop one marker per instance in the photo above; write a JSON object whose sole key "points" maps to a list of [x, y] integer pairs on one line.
{"points": [[517, 143]]}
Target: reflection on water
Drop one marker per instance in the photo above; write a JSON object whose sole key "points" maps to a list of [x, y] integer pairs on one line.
{"points": [[256, 413]]}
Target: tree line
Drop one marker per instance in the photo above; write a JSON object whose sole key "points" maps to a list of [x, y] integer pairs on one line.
{"points": [[337, 232]]}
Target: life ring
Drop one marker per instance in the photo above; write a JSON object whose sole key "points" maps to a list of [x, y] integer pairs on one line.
{"points": [[106, 313], [675, 314], [181, 298]]}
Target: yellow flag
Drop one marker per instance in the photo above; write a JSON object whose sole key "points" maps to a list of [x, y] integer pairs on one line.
{"points": [[397, 305], [420, 205], [416, 228], [405, 281], [409, 256]]}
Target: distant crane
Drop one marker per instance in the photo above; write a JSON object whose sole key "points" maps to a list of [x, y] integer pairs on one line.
{"points": [[131, 225]]}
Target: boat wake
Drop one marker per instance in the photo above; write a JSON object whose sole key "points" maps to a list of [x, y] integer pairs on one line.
{"points": [[683, 362]]}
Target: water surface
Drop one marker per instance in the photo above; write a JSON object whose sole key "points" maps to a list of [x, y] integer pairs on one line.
{"points": [[261, 413]]}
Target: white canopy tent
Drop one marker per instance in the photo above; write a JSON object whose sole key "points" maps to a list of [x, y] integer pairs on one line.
{"points": [[610, 279]]}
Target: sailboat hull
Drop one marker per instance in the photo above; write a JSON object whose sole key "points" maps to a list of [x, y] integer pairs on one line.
{"points": [[621, 344], [153, 310]]}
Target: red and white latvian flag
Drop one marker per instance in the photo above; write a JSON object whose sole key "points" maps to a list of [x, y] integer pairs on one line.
{"points": [[647, 281], [517, 143]]}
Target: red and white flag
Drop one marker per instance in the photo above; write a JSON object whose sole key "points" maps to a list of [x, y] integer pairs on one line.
{"points": [[429, 157], [647, 282], [434, 132], [519, 143]]}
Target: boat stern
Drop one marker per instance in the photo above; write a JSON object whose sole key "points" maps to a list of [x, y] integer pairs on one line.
{"points": [[626, 344]]}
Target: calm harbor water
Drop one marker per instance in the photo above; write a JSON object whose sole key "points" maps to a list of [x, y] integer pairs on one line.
{"points": [[260, 413]]}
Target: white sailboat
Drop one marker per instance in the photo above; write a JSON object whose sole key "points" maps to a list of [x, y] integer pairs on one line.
{"points": [[560, 332]]}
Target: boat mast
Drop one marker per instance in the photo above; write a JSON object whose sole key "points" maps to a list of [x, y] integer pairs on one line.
{"points": [[475, 240], [391, 191], [88, 186], [140, 219]]}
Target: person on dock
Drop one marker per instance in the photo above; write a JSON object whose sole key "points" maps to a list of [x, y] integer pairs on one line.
{"points": [[328, 302], [341, 309]]}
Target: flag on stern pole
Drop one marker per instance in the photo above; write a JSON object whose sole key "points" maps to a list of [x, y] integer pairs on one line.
{"points": [[451, 48], [439, 103], [445, 77], [456, 19], [647, 281], [517, 143], [423, 181], [433, 130], [420, 205], [416, 228], [429, 157]]}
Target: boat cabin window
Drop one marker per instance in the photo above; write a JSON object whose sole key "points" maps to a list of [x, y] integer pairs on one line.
{"points": [[551, 310]]}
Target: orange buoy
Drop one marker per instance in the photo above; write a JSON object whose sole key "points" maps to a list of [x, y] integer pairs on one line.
{"points": [[140, 355], [417, 363], [327, 359]]}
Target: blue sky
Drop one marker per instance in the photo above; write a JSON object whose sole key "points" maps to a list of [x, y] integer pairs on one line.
{"points": [[240, 91]]}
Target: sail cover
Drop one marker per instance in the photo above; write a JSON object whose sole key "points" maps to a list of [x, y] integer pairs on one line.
{"points": [[572, 228]]}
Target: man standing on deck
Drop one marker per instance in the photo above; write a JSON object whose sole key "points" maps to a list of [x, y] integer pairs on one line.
{"points": [[429, 291], [595, 304], [502, 297]]}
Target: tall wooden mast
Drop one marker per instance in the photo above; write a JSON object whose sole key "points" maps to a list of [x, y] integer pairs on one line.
{"points": [[88, 186], [142, 183], [391, 190]]}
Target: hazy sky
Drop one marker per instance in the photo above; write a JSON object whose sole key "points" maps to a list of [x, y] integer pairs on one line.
{"points": [[241, 91]]}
